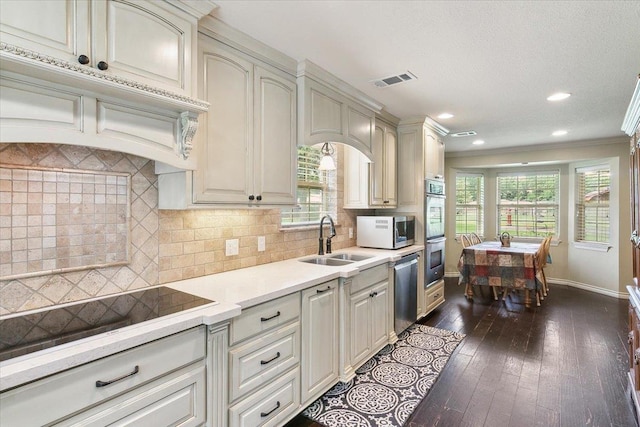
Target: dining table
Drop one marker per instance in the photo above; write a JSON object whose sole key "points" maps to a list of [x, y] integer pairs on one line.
{"points": [[501, 267]]}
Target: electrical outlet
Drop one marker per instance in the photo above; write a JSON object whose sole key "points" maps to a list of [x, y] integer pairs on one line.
{"points": [[232, 247], [261, 244], [350, 233]]}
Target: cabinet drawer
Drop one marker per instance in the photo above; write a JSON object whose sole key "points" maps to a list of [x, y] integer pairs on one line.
{"points": [[434, 295], [175, 400], [261, 360], [269, 406], [264, 317], [369, 277], [76, 389]]}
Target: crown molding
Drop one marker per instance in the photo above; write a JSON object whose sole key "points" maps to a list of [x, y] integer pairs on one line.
{"points": [[631, 122]]}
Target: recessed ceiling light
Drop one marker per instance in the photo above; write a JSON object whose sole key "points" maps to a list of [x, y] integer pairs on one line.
{"points": [[558, 96], [559, 133], [445, 116], [478, 142]]}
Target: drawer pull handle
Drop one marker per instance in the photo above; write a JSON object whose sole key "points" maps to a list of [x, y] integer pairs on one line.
{"points": [[324, 290], [436, 296], [106, 383], [265, 319], [266, 362], [373, 294], [266, 414]]}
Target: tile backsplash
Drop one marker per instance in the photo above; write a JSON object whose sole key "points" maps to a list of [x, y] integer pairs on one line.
{"points": [[164, 245]]}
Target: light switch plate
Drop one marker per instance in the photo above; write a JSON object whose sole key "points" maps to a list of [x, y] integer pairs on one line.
{"points": [[350, 233], [261, 244], [232, 247]]}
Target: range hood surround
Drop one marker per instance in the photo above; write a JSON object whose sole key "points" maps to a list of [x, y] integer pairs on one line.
{"points": [[48, 100]]}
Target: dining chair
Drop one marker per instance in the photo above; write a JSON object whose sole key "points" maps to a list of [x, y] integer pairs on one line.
{"points": [[546, 246], [475, 239], [465, 240]]}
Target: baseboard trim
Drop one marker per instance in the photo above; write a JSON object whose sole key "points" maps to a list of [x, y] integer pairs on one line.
{"points": [[571, 283]]}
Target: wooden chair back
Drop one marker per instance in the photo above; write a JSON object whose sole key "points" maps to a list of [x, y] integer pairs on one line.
{"points": [[465, 240], [475, 239]]}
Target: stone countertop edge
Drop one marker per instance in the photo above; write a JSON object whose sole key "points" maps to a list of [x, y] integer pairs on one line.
{"points": [[232, 291], [251, 286]]}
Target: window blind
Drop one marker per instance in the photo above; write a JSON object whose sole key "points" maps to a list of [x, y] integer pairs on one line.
{"points": [[592, 204], [469, 203]]}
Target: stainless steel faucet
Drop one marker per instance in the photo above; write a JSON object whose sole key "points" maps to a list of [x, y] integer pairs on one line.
{"points": [[333, 233]]}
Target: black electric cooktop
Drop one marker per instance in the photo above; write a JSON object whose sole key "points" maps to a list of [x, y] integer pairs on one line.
{"points": [[29, 333]]}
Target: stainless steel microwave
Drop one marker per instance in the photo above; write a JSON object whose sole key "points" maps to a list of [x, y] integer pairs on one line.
{"points": [[385, 232]]}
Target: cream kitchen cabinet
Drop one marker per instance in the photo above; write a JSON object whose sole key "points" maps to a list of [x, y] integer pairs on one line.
{"points": [[148, 42], [332, 111], [162, 383], [320, 340], [248, 152], [246, 144], [372, 184], [264, 363], [434, 156], [366, 318]]}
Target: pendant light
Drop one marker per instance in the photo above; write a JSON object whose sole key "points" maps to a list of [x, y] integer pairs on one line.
{"points": [[327, 163]]}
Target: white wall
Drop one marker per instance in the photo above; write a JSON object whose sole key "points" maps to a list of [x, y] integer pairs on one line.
{"points": [[605, 272]]}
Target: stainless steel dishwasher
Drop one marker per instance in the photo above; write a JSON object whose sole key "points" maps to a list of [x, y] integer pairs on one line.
{"points": [[406, 292]]}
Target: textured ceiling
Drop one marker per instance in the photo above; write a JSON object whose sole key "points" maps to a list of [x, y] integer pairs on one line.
{"points": [[491, 63]]}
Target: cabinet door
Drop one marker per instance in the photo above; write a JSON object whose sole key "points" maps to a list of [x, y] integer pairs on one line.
{"points": [[275, 151], [379, 311], [323, 114], [144, 42], [225, 136], [360, 316], [319, 362], [431, 162], [58, 28], [377, 168], [390, 167]]}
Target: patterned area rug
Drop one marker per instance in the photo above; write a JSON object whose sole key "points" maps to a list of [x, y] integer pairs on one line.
{"points": [[389, 386]]}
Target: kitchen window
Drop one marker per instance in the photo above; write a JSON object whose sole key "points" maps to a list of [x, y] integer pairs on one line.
{"points": [[469, 203], [528, 203], [592, 204], [316, 193]]}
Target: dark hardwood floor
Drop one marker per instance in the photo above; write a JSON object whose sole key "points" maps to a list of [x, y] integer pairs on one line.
{"points": [[562, 364]]}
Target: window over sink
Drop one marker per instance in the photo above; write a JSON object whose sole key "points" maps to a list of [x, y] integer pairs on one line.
{"points": [[316, 194]]}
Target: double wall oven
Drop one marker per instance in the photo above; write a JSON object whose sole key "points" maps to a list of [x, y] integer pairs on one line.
{"points": [[434, 223]]}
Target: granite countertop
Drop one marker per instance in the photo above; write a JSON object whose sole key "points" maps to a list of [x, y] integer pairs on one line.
{"points": [[232, 291]]}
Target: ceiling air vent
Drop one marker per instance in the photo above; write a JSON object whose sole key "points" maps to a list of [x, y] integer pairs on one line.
{"points": [[394, 80], [464, 133]]}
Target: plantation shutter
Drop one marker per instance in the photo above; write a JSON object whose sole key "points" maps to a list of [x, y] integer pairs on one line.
{"points": [[592, 204]]}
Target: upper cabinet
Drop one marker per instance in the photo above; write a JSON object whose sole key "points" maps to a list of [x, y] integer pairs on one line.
{"points": [[246, 148], [373, 184], [110, 74], [330, 110], [148, 42], [434, 156]]}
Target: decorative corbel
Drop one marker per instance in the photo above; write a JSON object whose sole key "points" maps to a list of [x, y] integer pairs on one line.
{"points": [[189, 124]]}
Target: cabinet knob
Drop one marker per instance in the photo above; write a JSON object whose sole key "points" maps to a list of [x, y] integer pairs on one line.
{"points": [[251, 197], [83, 59], [258, 198], [386, 201], [102, 65]]}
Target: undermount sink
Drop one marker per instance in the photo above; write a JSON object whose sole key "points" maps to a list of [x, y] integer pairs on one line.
{"points": [[351, 257], [327, 261]]}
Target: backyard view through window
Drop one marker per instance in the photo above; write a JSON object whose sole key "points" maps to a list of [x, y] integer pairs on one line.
{"points": [[316, 194], [528, 203], [469, 203], [592, 204]]}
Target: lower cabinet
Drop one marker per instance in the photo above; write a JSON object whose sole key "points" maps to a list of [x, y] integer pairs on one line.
{"points": [[634, 348], [162, 383], [368, 324], [434, 296], [320, 339], [264, 364]]}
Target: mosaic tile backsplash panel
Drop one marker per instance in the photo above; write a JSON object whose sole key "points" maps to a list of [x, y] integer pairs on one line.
{"points": [[53, 220]]}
